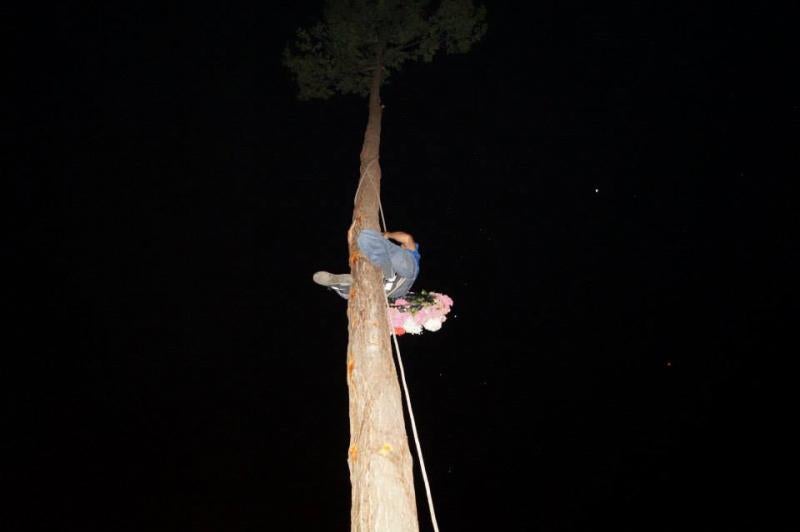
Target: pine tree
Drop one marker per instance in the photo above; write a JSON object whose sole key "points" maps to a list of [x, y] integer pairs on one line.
{"points": [[353, 50]]}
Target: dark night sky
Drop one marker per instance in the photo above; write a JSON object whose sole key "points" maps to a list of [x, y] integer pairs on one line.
{"points": [[602, 191]]}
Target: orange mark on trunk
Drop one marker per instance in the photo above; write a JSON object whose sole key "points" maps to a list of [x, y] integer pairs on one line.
{"points": [[350, 365], [354, 256], [352, 453]]}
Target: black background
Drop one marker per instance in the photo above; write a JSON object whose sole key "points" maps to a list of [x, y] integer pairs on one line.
{"points": [[603, 191]]}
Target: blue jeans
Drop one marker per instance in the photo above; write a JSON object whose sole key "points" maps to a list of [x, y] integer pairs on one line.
{"points": [[392, 259], [387, 255]]}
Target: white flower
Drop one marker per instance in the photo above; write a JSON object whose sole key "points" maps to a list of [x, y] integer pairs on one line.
{"points": [[412, 326], [432, 324]]}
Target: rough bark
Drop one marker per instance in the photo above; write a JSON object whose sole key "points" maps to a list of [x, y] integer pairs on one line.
{"points": [[379, 457]]}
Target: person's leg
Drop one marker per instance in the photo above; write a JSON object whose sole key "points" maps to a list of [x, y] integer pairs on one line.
{"points": [[339, 283], [378, 250], [403, 262]]}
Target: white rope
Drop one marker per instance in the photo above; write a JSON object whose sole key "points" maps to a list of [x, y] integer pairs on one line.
{"points": [[402, 370], [361, 180]]}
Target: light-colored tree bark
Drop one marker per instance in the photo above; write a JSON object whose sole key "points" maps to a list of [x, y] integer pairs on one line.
{"points": [[379, 458], [331, 57]]}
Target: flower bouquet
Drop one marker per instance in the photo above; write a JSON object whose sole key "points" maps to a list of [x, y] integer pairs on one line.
{"points": [[418, 311]]}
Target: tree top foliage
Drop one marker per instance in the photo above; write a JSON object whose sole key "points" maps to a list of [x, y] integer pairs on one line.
{"points": [[340, 53]]}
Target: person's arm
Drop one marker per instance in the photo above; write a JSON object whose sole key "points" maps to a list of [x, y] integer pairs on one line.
{"points": [[405, 239]]}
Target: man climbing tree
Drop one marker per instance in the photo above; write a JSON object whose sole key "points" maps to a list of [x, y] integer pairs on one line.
{"points": [[354, 49], [399, 264]]}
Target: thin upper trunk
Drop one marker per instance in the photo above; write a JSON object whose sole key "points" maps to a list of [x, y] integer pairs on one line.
{"points": [[379, 457]]}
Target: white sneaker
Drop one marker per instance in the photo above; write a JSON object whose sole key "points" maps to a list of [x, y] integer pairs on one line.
{"points": [[331, 279]]}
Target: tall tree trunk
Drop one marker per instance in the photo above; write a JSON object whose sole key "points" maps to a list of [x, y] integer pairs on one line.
{"points": [[379, 457]]}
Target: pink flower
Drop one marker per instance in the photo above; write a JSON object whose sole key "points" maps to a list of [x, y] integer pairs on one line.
{"points": [[423, 314], [428, 318], [397, 318], [444, 301]]}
